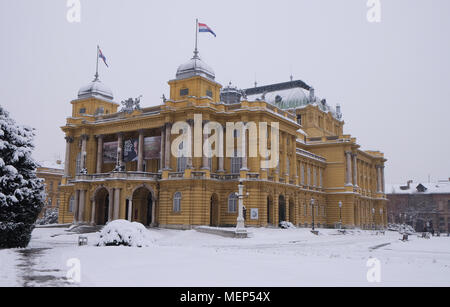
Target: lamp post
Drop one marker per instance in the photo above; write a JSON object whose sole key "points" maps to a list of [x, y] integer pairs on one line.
{"points": [[340, 215], [240, 226], [312, 208]]}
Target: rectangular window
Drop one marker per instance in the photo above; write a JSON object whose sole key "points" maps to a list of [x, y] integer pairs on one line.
{"points": [[184, 92], [209, 93], [287, 166], [82, 110], [309, 176], [302, 174], [299, 119]]}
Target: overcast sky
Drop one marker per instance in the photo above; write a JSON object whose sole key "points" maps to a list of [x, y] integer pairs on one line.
{"points": [[392, 78]]}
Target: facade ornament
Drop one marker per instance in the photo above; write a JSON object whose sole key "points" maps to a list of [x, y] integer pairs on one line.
{"points": [[131, 104]]}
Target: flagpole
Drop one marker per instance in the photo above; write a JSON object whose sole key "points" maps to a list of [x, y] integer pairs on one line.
{"points": [[196, 38], [96, 69]]}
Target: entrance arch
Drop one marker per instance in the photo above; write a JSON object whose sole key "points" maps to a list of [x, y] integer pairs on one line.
{"points": [[101, 206], [214, 218], [142, 209], [281, 209]]}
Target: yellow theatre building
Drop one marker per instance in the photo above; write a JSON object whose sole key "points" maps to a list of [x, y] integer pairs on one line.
{"points": [[119, 163]]}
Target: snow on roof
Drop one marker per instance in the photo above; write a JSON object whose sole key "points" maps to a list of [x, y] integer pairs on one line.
{"points": [[51, 164], [441, 187]]}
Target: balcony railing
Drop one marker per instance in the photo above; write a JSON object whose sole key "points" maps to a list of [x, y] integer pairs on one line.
{"points": [[118, 176]]}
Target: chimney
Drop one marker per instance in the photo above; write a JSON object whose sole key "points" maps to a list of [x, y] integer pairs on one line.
{"points": [[58, 162], [409, 183]]}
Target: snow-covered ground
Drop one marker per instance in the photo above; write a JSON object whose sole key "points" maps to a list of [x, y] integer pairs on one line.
{"points": [[270, 257]]}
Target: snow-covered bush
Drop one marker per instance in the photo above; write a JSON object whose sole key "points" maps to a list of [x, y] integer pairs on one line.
{"points": [[287, 225], [22, 194], [50, 217], [124, 233]]}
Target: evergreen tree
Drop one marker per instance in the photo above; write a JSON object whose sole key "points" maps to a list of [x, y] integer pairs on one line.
{"points": [[22, 194]]}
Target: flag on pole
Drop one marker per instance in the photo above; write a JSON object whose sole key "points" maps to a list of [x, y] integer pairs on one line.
{"points": [[101, 56], [204, 28]]}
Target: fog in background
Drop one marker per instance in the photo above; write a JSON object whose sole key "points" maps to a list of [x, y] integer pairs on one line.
{"points": [[391, 78]]}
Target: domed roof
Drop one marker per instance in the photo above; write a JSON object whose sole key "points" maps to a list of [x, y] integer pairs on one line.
{"points": [[284, 99], [95, 89], [195, 67]]}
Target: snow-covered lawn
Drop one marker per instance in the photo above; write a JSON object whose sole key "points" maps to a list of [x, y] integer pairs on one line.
{"points": [[270, 257]]}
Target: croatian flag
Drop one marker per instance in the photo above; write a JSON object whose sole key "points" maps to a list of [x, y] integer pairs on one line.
{"points": [[101, 56], [204, 28]]}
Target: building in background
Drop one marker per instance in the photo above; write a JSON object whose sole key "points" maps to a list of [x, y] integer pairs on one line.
{"points": [[424, 206], [52, 173], [119, 163]]}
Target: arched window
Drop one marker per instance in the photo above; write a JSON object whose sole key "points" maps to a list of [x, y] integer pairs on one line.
{"points": [[71, 203], [232, 203], [177, 202]]}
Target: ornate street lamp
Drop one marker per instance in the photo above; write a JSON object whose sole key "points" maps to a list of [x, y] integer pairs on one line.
{"points": [[340, 214], [240, 226], [312, 208]]}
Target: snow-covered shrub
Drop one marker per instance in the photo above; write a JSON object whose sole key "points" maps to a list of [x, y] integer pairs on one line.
{"points": [[50, 217], [22, 194], [287, 225], [124, 233]]}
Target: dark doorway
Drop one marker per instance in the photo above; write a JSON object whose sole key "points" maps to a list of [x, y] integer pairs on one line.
{"points": [[101, 206], [269, 209], [142, 206], [281, 209], [214, 211]]}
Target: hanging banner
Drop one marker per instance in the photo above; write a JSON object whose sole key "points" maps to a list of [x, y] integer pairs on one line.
{"points": [[130, 150], [152, 148], [110, 152]]}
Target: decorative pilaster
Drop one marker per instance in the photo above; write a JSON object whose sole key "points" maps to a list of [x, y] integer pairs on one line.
{"points": [[140, 166], [116, 203], [382, 179], [130, 210], [378, 178], [81, 206], [84, 139], [69, 140], [355, 169], [205, 163], [163, 140], [167, 149], [93, 212], [348, 181], [99, 154], [110, 204]]}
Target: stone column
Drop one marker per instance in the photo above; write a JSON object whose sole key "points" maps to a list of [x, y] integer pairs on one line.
{"points": [[355, 169], [116, 204], [153, 212], [99, 154], [69, 140], [110, 204], [244, 150], [77, 202], [205, 163], [378, 179], [84, 139], [140, 166], [130, 210], [120, 151], [167, 153], [348, 180], [82, 206], [93, 212], [161, 156], [382, 179], [189, 162]]}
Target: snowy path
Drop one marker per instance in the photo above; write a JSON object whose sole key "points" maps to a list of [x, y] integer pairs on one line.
{"points": [[270, 257]]}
